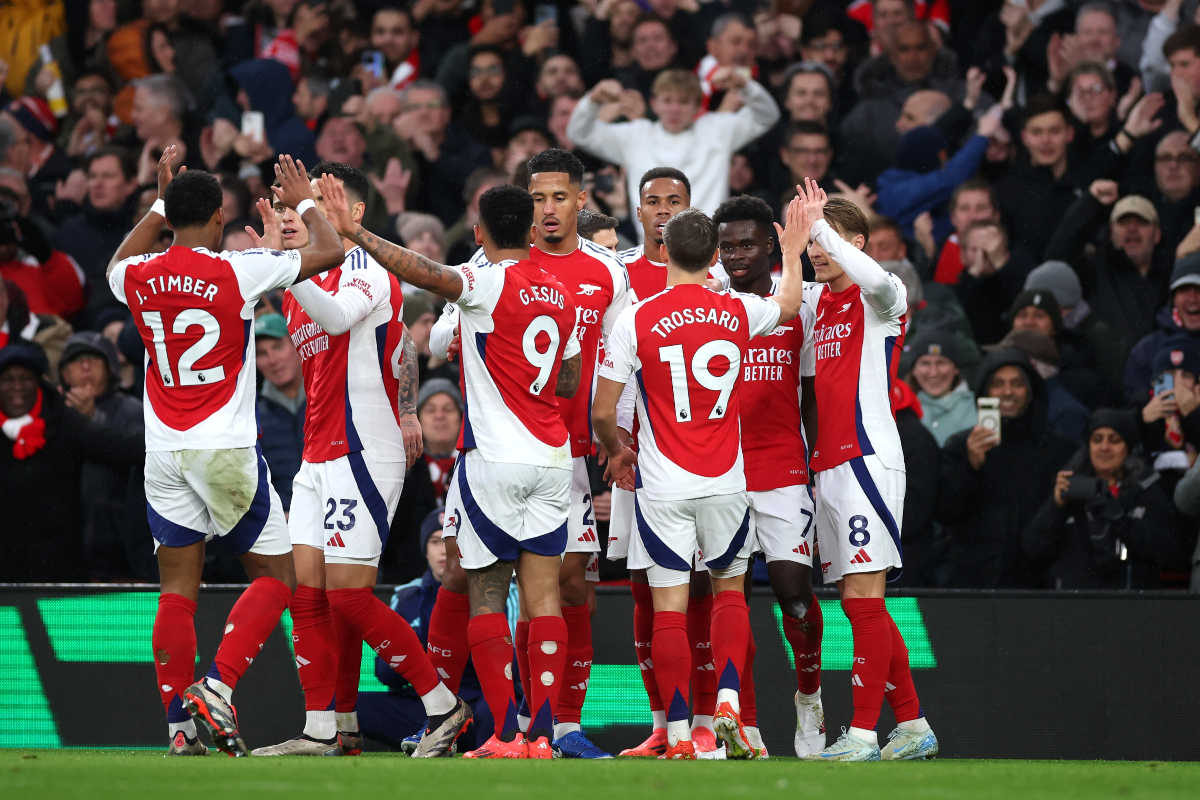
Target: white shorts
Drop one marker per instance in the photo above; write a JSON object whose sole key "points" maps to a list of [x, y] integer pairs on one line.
{"points": [[860, 508], [345, 507], [496, 510], [620, 525], [194, 495], [581, 525], [783, 523], [671, 532]]}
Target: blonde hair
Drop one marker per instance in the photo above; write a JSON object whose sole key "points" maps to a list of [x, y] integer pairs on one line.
{"points": [[847, 218], [681, 82]]}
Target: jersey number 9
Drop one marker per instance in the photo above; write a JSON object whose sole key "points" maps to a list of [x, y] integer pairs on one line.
{"points": [[543, 360]]}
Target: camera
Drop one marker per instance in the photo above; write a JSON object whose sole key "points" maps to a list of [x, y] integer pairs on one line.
{"points": [[1085, 488]]}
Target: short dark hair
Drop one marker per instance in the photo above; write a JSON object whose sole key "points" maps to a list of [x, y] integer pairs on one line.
{"points": [[556, 160], [806, 127], [746, 208], [691, 240], [395, 9], [478, 177], [590, 223], [123, 157], [356, 183], [487, 48], [975, 185], [847, 218], [665, 172], [1186, 38], [1045, 103], [506, 213], [192, 198], [881, 223], [649, 17]]}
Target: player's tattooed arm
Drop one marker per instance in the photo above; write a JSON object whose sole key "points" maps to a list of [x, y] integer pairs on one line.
{"points": [[568, 376], [141, 239], [406, 401], [487, 588], [403, 263]]}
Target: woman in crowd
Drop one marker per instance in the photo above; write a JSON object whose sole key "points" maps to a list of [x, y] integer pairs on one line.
{"points": [[947, 401]]}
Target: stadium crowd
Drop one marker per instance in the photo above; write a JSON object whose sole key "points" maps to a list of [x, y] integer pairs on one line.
{"points": [[1027, 169]]}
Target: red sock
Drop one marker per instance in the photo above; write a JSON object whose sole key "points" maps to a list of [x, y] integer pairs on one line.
{"points": [[521, 645], [174, 643], [349, 651], [643, 633], [804, 635], [872, 657], [448, 646], [900, 692], [491, 651], [731, 621], [388, 634], [672, 662], [704, 677], [547, 662], [315, 644], [746, 696], [579, 664], [254, 616]]}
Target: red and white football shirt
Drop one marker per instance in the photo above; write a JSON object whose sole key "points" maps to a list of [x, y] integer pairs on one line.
{"points": [[352, 379], [684, 347], [772, 365], [516, 324], [647, 277], [194, 310]]}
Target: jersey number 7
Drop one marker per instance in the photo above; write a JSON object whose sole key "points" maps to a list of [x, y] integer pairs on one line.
{"points": [[185, 319], [673, 355]]}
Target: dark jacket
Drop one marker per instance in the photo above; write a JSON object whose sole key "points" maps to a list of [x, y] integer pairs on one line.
{"points": [[1032, 201], [987, 301], [41, 529], [443, 181], [904, 194], [268, 84], [91, 237], [1107, 542], [402, 557], [1112, 285], [282, 444], [985, 512], [1139, 368], [921, 468]]}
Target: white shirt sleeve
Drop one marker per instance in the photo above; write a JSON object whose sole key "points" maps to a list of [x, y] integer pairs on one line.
{"points": [[626, 408], [607, 140], [443, 331], [808, 353], [754, 118], [116, 279], [622, 298], [762, 313], [265, 269], [359, 292], [883, 291], [572, 348], [621, 350], [481, 286]]}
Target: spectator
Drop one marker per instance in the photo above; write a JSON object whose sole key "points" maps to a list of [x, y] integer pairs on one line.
{"points": [[823, 41], [1187, 502], [527, 136], [394, 34], [1125, 279], [265, 86], [195, 55], [807, 152], [50, 279], [1064, 414], [281, 403], [991, 486], [1110, 532], [607, 43], [445, 154], [41, 468], [1176, 179], [946, 400], [559, 117], [731, 43], [485, 117], [439, 410], [419, 316], [921, 469], [82, 48], [17, 324], [1091, 93], [700, 147], [558, 77], [1170, 426], [33, 151], [311, 99], [1156, 72], [424, 234], [653, 49], [1096, 40], [93, 235], [89, 374], [160, 117], [994, 276], [808, 89], [91, 123], [973, 201], [922, 107], [1108, 350], [460, 237]]}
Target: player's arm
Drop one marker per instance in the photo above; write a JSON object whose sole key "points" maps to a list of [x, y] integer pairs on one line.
{"points": [[141, 239], [793, 239], [877, 287], [406, 400], [324, 249], [441, 336], [403, 263], [571, 370], [621, 460]]}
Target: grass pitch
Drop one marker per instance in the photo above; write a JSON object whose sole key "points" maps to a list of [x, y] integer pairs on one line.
{"points": [[99, 774]]}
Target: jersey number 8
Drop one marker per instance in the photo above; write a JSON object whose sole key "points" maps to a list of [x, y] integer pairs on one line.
{"points": [[186, 319], [673, 355]]}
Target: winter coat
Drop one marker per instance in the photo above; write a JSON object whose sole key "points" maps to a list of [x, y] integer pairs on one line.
{"points": [[985, 511], [1107, 542], [1032, 202], [1139, 368], [921, 470], [948, 414], [91, 237], [904, 195], [282, 444], [41, 529], [402, 554], [268, 85], [987, 301]]}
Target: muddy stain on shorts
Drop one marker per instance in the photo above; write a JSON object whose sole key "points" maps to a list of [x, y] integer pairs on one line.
{"points": [[232, 480]]}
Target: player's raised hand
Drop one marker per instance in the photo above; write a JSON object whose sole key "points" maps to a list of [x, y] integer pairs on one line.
{"points": [[337, 205], [164, 168], [814, 199], [793, 235], [293, 187], [272, 237]]}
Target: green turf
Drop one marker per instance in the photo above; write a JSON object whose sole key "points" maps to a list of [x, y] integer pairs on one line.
{"points": [[98, 774]]}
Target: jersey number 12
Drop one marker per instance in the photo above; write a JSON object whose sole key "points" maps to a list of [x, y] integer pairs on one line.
{"points": [[186, 375]]}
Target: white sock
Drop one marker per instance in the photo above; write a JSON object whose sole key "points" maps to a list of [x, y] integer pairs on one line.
{"points": [[319, 725], [677, 731], [523, 723], [729, 696], [439, 701], [810, 699], [220, 689], [561, 729], [347, 721], [870, 737], [701, 721], [918, 725], [188, 728], [660, 719]]}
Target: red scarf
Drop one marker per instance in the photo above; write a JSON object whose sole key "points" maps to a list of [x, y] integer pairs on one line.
{"points": [[30, 437], [438, 469]]}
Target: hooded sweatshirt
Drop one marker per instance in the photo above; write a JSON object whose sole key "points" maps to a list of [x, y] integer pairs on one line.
{"points": [[268, 84]]}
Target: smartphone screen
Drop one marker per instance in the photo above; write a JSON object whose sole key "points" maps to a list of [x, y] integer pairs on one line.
{"points": [[372, 61], [988, 410], [1164, 383], [253, 125]]}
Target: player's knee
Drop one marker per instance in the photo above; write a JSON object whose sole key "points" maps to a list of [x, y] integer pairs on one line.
{"points": [[572, 589]]}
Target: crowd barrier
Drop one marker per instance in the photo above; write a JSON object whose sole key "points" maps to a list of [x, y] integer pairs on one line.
{"points": [[1096, 675]]}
